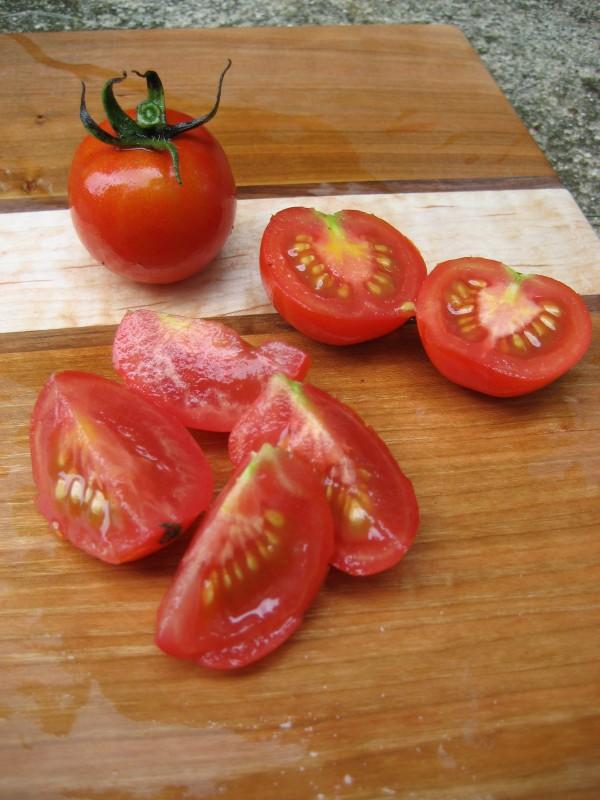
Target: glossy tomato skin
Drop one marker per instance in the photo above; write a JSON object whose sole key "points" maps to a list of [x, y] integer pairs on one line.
{"points": [[133, 216], [254, 565], [201, 371], [115, 476], [490, 329], [360, 279], [374, 506]]}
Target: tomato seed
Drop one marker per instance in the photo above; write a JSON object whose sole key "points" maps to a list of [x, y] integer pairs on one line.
{"points": [[552, 309], [275, 518], [60, 490], [374, 288], [548, 321], [532, 338]]}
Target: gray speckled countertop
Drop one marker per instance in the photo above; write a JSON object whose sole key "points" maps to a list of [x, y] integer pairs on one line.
{"points": [[542, 53]]}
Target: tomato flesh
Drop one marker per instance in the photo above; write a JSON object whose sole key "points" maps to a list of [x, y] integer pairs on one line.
{"points": [[201, 371], [339, 278], [133, 216], [253, 567], [115, 476], [486, 327], [374, 505]]}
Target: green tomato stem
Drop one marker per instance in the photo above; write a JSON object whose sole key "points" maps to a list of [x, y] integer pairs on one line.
{"points": [[150, 129]]}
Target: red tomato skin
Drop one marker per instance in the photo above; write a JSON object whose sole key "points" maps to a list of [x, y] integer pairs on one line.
{"points": [[330, 320], [201, 371], [481, 368], [227, 633], [334, 439], [132, 215], [150, 470]]}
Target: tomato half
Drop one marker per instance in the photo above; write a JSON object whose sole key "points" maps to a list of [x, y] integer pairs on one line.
{"points": [[201, 371], [115, 476], [374, 505], [135, 218], [339, 278], [254, 565], [489, 328]]}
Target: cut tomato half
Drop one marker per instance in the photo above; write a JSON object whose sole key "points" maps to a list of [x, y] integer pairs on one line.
{"points": [[253, 567], [489, 328], [115, 476], [339, 278], [199, 370], [374, 505]]}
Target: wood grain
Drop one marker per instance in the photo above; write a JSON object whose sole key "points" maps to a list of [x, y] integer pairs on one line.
{"points": [[300, 105], [469, 671], [533, 230]]}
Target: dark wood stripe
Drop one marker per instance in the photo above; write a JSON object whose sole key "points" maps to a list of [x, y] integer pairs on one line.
{"points": [[10, 205], [102, 335]]}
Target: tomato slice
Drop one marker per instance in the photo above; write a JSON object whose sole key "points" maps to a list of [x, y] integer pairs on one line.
{"points": [[253, 567], [374, 506], [115, 476], [489, 328], [201, 371], [339, 278]]}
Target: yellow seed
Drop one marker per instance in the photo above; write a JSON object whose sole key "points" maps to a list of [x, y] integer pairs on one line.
{"points": [[263, 549], [300, 247], [355, 512], [465, 321], [329, 491], [552, 309], [238, 571], [364, 473], [363, 498], [317, 269], [208, 592], [384, 261], [76, 491], [462, 290], [272, 537], [539, 329], [469, 328], [251, 562], [323, 281], [275, 517], [455, 301], [98, 502], [60, 490], [89, 492], [227, 582], [306, 260], [383, 279], [343, 291], [548, 321], [381, 248], [374, 288], [303, 237], [407, 307], [518, 342]]}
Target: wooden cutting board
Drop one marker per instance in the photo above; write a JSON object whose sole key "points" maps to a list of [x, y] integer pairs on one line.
{"points": [[472, 670]]}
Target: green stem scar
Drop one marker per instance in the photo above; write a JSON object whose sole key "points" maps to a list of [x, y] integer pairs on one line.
{"points": [[149, 129]]}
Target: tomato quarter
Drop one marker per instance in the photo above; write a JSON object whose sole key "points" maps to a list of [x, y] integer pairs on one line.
{"points": [[373, 502], [115, 476], [253, 567], [489, 328], [339, 278], [201, 371], [127, 205]]}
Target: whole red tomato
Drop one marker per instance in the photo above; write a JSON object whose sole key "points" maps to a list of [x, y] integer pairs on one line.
{"points": [[151, 192]]}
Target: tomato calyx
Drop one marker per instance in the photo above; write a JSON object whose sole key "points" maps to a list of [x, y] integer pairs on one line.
{"points": [[150, 129]]}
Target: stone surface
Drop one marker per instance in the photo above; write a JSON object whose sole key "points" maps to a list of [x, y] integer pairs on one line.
{"points": [[542, 53]]}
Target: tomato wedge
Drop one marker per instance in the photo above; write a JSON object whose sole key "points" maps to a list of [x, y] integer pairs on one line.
{"points": [[339, 278], [253, 567], [374, 506], [489, 328], [115, 476], [201, 371]]}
